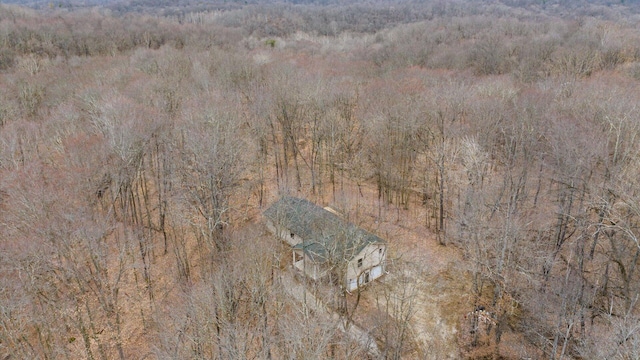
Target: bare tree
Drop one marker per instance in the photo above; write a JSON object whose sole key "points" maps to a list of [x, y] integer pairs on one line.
{"points": [[445, 115], [211, 164]]}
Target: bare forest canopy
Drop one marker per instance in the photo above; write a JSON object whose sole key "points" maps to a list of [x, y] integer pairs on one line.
{"points": [[141, 140]]}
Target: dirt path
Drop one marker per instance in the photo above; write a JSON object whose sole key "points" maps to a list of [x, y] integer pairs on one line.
{"points": [[439, 285], [434, 324], [309, 302]]}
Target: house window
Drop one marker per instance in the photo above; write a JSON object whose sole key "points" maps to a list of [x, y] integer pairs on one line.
{"points": [[359, 262]]}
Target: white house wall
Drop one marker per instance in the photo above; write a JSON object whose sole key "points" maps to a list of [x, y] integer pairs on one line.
{"points": [[372, 255], [284, 234]]}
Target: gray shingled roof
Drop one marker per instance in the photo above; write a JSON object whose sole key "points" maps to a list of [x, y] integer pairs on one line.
{"points": [[325, 235]]}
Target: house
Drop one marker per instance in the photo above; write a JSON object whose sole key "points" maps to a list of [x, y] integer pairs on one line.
{"points": [[324, 245]]}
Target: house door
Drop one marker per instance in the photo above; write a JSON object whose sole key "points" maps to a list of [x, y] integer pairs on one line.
{"points": [[364, 278]]}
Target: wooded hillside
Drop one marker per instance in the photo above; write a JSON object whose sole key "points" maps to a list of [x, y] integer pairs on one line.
{"points": [[140, 144]]}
